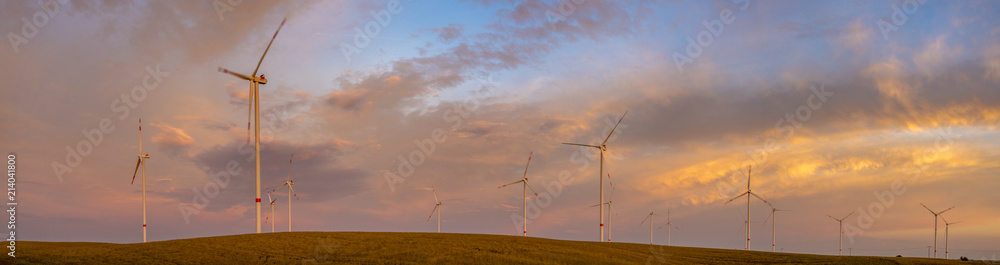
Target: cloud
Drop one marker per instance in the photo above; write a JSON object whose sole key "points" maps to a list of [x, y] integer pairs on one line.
{"points": [[172, 140]]}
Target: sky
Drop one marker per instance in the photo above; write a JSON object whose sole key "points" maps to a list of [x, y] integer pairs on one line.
{"points": [[867, 108]]}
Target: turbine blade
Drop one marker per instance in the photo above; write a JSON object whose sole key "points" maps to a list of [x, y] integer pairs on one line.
{"points": [[928, 209], [758, 197], [526, 165], [249, 111], [293, 192], [737, 197], [529, 187], [269, 46], [945, 210], [612, 192], [136, 169], [269, 197], [613, 129], [595, 205], [768, 218], [512, 183], [432, 212], [241, 76], [289, 176], [435, 195], [647, 218], [845, 216], [831, 217], [587, 145]]}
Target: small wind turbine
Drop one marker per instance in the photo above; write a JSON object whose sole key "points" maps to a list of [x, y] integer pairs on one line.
{"points": [[748, 192], [650, 218], [603, 147], [935, 224], [610, 208], [254, 98], [291, 192], [946, 224], [668, 225], [773, 224], [270, 210], [524, 192], [841, 221], [142, 162], [436, 209]]}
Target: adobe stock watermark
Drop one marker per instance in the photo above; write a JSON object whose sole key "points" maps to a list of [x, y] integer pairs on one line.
{"points": [[898, 17], [885, 199], [372, 29], [224, 6], [553, 188], [273, 119], [321, 253], [705, 38], [565, 8], [425, 147], [30, 27], [786, 125], [93, 137]]}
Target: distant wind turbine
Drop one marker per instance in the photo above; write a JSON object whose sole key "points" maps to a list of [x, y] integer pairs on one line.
{"points": [[668, 225], [291, 192], [935, 224], [142, 162], [946, 224], [650, 218], [610, 208], [270, 210], [603, 147], [437, 208], [254, 99], [524, 193], [748, 192], [841, 221], [773, 224]]}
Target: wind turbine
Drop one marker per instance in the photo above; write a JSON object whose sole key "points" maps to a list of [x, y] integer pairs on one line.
{"points": [[142, 161], [291, 192], [946, 224], [436, 207], [668, 225], [748, 205], [603, 147], [524, 192], [935, 224], [254, 99], [772, 224], [609, 205], [270, 210], [650, 218], [841, 221]]}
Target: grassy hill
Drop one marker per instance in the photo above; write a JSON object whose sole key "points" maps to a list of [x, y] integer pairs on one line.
{"points": [[406, 248]]}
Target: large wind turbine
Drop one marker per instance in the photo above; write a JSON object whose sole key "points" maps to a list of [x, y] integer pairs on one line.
{"points": [[946, 224], [437, 208], [142, 161], [650, 218], [668, 225], [773, 224], [603, 147], [610, 208], [254, 99], [291, 192], [841, 221], [524, 192], [270, 210], [935, 224], [748, 192]]}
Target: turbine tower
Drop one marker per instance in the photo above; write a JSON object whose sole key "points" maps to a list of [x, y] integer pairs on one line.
{"points": [[748, 192], [524, 193], [772, 224], [668, 225], [291, 192], [841, 221], [946, 224], [270, 210], [142, 162], [650, 218], [254, 99], [603, 147], [610, 208], [935, 224], [437, 208]]}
